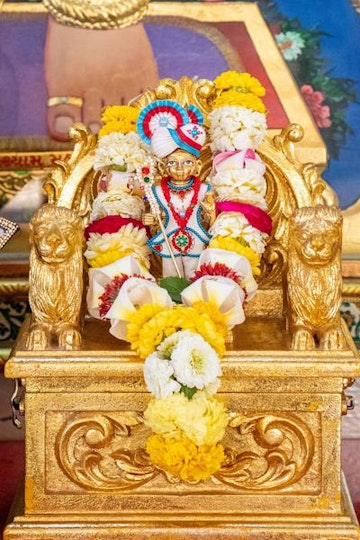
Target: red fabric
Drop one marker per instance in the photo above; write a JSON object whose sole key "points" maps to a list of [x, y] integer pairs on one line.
{"points": [[11, 474], [111, 224]]}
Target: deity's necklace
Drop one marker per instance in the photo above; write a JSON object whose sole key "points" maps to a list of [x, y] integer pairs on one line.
{"points": [[180, 191], [195, 184]]}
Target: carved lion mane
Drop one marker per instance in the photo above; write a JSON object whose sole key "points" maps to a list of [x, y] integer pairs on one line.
{"points": [[56, 276], [314, 277]]}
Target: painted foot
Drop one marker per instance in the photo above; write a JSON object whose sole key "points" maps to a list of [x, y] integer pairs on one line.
{"points": [[86, 70]]}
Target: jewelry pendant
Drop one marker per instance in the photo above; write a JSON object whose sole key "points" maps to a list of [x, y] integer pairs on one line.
{"points": [[182, 241]]}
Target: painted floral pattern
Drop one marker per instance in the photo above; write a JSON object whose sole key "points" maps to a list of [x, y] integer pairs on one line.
{"points": [[314, 100]]}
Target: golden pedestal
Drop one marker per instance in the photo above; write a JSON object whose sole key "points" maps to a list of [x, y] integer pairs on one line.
{"points": [[88, 477]]}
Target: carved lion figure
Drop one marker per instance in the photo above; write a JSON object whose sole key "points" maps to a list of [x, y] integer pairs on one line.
{"points": [[55, 278], [314, 278]]}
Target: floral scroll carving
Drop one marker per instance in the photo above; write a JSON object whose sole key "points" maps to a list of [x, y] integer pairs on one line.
{"points": [[95, 452], [282, 453], [102, 453]]}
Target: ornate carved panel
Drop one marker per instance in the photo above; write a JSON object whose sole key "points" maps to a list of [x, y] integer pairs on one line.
{"points": [[105, 451]]}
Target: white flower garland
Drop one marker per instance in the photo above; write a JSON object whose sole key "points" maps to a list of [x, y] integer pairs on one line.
{"points": [[236, 128], [117, 203], [116, 150], [236, 225]]}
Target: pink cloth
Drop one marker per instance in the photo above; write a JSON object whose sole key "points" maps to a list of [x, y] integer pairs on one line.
{"points": [[255, 216], [242, 155]]}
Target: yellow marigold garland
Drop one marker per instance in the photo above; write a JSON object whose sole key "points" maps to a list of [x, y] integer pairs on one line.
{"points": [[202, 418], [146, 335], [239, 99], [184, 459], [218, 318], [231, 244], [187, 318], [118, 118], [136, 321], [108, 257], [243, 82]]}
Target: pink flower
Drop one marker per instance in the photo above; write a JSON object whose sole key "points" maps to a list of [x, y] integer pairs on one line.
{"points": [[314, 100]]}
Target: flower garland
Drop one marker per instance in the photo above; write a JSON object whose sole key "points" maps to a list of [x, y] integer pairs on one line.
{"points": [[182, 344], [115, 230], [237, 128]]}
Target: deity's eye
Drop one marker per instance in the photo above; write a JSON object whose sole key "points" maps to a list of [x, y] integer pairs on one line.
{"points": [[188, 162], [171, 163]]}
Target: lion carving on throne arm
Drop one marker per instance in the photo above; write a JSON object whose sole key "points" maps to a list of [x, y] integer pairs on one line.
{"points": [[56, 278], [314, 278]]}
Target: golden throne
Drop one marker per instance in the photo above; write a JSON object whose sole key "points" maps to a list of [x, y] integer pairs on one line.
{"points": [[87, 474]]}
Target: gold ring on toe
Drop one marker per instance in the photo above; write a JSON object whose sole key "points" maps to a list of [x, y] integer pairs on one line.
{"points": [[65, 100]]}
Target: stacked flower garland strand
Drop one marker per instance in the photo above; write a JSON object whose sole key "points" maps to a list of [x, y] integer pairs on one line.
{"points": [[226, 270], [237, 128], [115, 229], [182, 340], [116, 239]]}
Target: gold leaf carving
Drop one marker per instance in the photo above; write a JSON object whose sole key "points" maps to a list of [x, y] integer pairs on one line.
{"points": [[314, 278], [56, 278], [95, 451], [97, 15], [280, 452], [71, 183]]}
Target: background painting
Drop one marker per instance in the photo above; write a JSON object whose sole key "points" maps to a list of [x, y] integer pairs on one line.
{"points": [[335, 68], [319, 41]]}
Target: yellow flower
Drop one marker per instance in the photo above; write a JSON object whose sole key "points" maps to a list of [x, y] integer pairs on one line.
{"points": [[137, 321], [120, 112], [183, 459], [238, 98], [211, 309], [170, 320], [162, 325], [203, 418], [231, 244], [118, 118], [108, 257], [243, 82], [203, 325]]}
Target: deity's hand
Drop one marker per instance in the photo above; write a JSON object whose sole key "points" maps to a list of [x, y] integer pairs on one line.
{"points": [[208, 207], [148, 219]]}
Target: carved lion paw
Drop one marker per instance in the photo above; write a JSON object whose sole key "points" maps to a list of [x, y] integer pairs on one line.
{"points": [[69, 339], [333, 340], [38, 339], [302, 339]]}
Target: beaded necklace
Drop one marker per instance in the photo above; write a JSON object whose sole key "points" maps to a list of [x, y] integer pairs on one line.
{"points": [[181, 220]]}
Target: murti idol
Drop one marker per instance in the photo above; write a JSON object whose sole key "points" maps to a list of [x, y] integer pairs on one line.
{"points": [[185, 204]]}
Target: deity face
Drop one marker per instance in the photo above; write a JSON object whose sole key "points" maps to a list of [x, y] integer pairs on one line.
{"points": [[181, 165]]}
